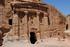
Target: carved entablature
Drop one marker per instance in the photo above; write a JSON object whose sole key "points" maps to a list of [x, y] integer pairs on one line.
{"points": [[30, 5]]}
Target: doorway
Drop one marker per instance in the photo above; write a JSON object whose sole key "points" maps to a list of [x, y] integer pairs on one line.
{"points": [[33, 38]]}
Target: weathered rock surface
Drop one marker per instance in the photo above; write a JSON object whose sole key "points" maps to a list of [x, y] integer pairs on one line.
{"points": [[29, 21]]}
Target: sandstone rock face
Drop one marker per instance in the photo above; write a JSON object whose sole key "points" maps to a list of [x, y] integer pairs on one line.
{"points": [[30, 23], [67, 31], [68, 21]]}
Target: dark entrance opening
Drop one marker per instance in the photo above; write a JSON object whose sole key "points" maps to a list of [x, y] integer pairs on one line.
{"points": [[67, 27], [33, 38], [48, 21], [10, 21]]}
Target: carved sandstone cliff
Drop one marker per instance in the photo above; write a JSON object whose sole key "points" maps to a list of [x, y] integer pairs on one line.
{"points": [[28, 20]]}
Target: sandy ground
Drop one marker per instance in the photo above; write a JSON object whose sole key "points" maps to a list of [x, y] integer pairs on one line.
{"points": [[48, 42]]}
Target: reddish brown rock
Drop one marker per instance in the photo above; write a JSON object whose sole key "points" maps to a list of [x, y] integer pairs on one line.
{"points": [[20, 18]]}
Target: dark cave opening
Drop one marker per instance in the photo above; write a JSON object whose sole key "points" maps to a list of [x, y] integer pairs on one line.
{"points": [[33, 38], [10, 21], [67, 27]]}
